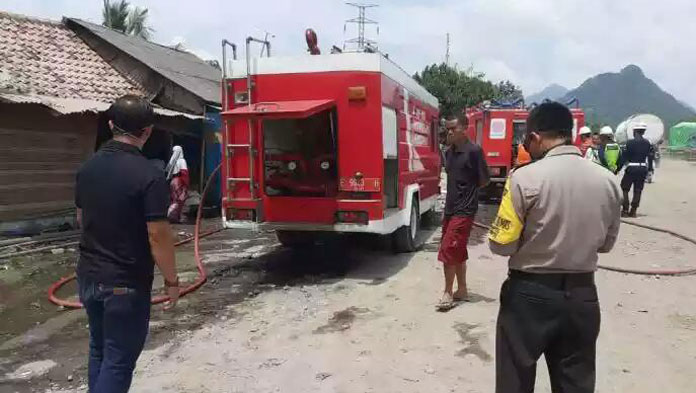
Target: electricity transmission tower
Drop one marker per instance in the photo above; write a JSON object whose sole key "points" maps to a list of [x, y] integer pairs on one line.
{"points": [[447, 54], [362, 44]]}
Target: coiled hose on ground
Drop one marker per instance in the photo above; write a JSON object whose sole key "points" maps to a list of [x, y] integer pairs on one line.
{"points": [[682, 272], [202, 276]]}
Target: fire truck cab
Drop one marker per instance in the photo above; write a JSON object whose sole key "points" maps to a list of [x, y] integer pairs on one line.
{"points": [[499, 129], [328, 143]]}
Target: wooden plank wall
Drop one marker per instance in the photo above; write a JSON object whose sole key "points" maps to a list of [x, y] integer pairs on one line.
{"points": [[39, 156]]}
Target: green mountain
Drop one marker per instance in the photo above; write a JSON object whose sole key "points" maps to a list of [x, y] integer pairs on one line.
{"points": [[551, 92], [610, 98]]}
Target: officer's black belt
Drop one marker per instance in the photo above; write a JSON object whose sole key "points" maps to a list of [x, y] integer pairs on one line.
{"points": [[555, 280]]}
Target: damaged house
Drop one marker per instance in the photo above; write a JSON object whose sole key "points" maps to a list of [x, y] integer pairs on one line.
{"points": [[57, 79]]}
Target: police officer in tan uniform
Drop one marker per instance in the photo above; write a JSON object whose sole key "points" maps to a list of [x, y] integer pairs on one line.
{"points": [[557, 213]]}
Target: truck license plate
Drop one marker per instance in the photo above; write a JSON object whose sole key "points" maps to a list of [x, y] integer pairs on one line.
{"points": [[367, 185]]}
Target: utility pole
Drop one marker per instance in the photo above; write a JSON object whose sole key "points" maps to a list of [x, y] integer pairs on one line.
{"points": [[362, 43], [447, 54]]}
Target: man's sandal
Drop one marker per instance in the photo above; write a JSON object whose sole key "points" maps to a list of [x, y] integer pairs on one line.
{"points": [[446, 303]]}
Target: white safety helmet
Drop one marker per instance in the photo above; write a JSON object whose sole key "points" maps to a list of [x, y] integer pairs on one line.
{"points": [[606, 130], [585, 130], [640, 126]]}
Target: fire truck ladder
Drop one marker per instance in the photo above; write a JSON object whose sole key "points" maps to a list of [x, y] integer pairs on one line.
{"points": [[232, 147]]}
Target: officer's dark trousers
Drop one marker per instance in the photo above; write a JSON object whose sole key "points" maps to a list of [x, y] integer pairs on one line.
{"points": [[556, 315], [633, 177]]}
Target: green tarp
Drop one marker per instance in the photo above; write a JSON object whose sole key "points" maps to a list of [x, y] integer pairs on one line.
{"points": [[682, 135]]}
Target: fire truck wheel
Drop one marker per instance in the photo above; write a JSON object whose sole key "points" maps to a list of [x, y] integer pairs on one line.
{"points": [[405, 238], [295, 238], [431, 219]]}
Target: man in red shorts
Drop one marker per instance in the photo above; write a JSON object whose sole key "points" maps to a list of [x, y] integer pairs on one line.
{"points": [[466, 172]]}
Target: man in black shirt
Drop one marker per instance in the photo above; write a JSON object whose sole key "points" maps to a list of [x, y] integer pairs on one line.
{"points": [[466, 173], [638, 158], [122, 202]]}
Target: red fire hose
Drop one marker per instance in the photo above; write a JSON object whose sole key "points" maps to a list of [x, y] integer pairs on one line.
{"points": [[683, 272], [202, 276]]}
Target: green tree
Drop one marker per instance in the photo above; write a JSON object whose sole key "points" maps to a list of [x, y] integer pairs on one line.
{"points": [[120, 16], [455, 89], [507, 91]]}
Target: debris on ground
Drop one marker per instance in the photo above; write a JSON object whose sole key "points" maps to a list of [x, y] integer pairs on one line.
{"points": [[322, 376], [31, 370]]}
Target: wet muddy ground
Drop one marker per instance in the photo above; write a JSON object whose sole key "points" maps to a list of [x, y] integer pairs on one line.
{"points": [[240, 267]]}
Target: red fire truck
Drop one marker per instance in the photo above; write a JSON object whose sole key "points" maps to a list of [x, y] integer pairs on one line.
{"points": [[328, 143], [499, 129]]}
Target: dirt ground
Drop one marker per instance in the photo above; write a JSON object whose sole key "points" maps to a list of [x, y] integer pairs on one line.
{"points": [[349, 316]]}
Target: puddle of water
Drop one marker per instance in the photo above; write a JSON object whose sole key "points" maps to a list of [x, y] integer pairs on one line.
{"points": [[471, 340], [341, 320]]}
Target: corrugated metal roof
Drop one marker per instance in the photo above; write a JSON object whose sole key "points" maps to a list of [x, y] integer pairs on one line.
{"points": [[182, 68], [78, 105], [45, 58]]}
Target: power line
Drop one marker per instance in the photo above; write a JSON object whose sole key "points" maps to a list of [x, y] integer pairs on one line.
{"points": [[362, 43]]}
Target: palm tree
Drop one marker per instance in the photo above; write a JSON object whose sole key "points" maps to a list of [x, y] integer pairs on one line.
{"points": [[115, 15], [137, 23], [119, 16]]}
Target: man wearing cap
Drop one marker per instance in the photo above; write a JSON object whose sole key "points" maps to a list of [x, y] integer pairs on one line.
{"points": [[122, 201], [552, 225], [638, 159]]}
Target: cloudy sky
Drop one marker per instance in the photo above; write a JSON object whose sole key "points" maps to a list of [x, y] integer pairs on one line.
{"points": [[531, 42]]}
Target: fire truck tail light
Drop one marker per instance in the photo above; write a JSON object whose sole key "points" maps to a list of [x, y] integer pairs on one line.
{"points": [[240, 214], [357, 93], [497, 171], [353, 217]]}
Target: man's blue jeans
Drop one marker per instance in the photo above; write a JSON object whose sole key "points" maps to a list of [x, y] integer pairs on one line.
{"points": [[118, 324]]}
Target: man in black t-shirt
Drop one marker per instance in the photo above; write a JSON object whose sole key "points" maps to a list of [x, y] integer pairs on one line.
{"points": [[122, 202], [467, 171]]}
